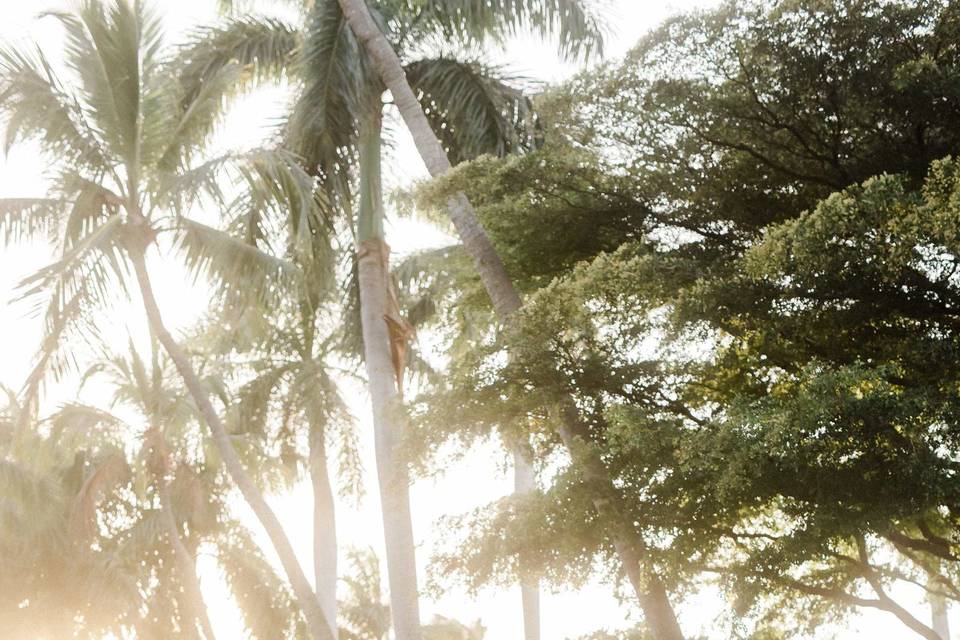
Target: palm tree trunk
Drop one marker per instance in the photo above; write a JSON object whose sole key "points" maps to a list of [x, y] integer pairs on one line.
{"points": [[316, 621], [324, 530], [373, 258], [185, 564], [650, 590], [525, 483]]}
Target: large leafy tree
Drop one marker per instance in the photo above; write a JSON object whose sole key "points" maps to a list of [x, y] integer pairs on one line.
{"points": [[703, 342], [125, 146], [337, 126]]}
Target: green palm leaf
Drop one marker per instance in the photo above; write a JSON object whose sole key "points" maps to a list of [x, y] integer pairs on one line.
{"points": [[112, 49], [578, 30], [24, 219], [322, 124], [37, 107], [80, 282], [473, 108], [241, 272], [263, 47], [264, 600]]}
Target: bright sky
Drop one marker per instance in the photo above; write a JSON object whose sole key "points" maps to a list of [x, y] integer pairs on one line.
{"points": [[565, 615]]}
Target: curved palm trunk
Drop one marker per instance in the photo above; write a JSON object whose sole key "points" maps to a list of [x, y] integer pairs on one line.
{"points": [[316, 621], [631, 548], [324, 531], [373, 259], [185, 564], [524, 483]]}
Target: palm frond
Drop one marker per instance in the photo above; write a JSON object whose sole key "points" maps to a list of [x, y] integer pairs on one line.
{"points": [[264, 48], [364, 609], [36, 106], [241, 6], [25, 486], [92, 205], [23, 219], [144, 537], [105, 476], [265, 601], [189, 122], [326, 410], [321, 125], [86, 276], [240, 271], [76, 426], [578, 30], [112, 47], [473, 108], [255, 396]]}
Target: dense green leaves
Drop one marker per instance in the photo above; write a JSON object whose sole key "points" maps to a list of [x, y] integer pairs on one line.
{"points": [[739, 250]]}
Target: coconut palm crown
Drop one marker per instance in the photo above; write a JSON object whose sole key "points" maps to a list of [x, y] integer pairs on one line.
{"points": [[126, 145]]}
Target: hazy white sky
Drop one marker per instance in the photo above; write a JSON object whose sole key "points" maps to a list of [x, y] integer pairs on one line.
{"points": [[565, 615]]}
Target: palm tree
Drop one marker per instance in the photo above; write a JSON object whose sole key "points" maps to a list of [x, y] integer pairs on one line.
{"points": [[367, 615], [336, 125], [100, 543], [649, 587], [181, 475], [52, 489], [86, 553], [149, 394], [285, 384], [123, 147]]}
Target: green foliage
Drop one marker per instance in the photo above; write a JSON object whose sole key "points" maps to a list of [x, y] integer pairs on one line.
{"points": [[267, 606], [739, 253], [124, 148], [365, 613]]}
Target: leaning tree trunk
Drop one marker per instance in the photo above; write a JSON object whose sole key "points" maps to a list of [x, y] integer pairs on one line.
{"points": [[525, 483], [186, 564], [316, 621], [631, 548], [373, 258], [324, 530]]}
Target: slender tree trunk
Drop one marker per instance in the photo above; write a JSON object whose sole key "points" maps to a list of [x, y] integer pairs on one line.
{"points": [[630, 546], [186, 564], [939, 617], [316, 621], [324, 530], [373, 258], [525, 483]]}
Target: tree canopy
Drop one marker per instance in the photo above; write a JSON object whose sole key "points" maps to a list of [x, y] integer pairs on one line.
{"points": [[729, 346]]}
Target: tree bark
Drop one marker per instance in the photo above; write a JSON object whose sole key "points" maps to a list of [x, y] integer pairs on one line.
{"points": [[324, 530], [185, 564], [938, 616], [391, 468], [939, 612], [373, 259], [525, 483], [650, 590], [316, 621]]}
